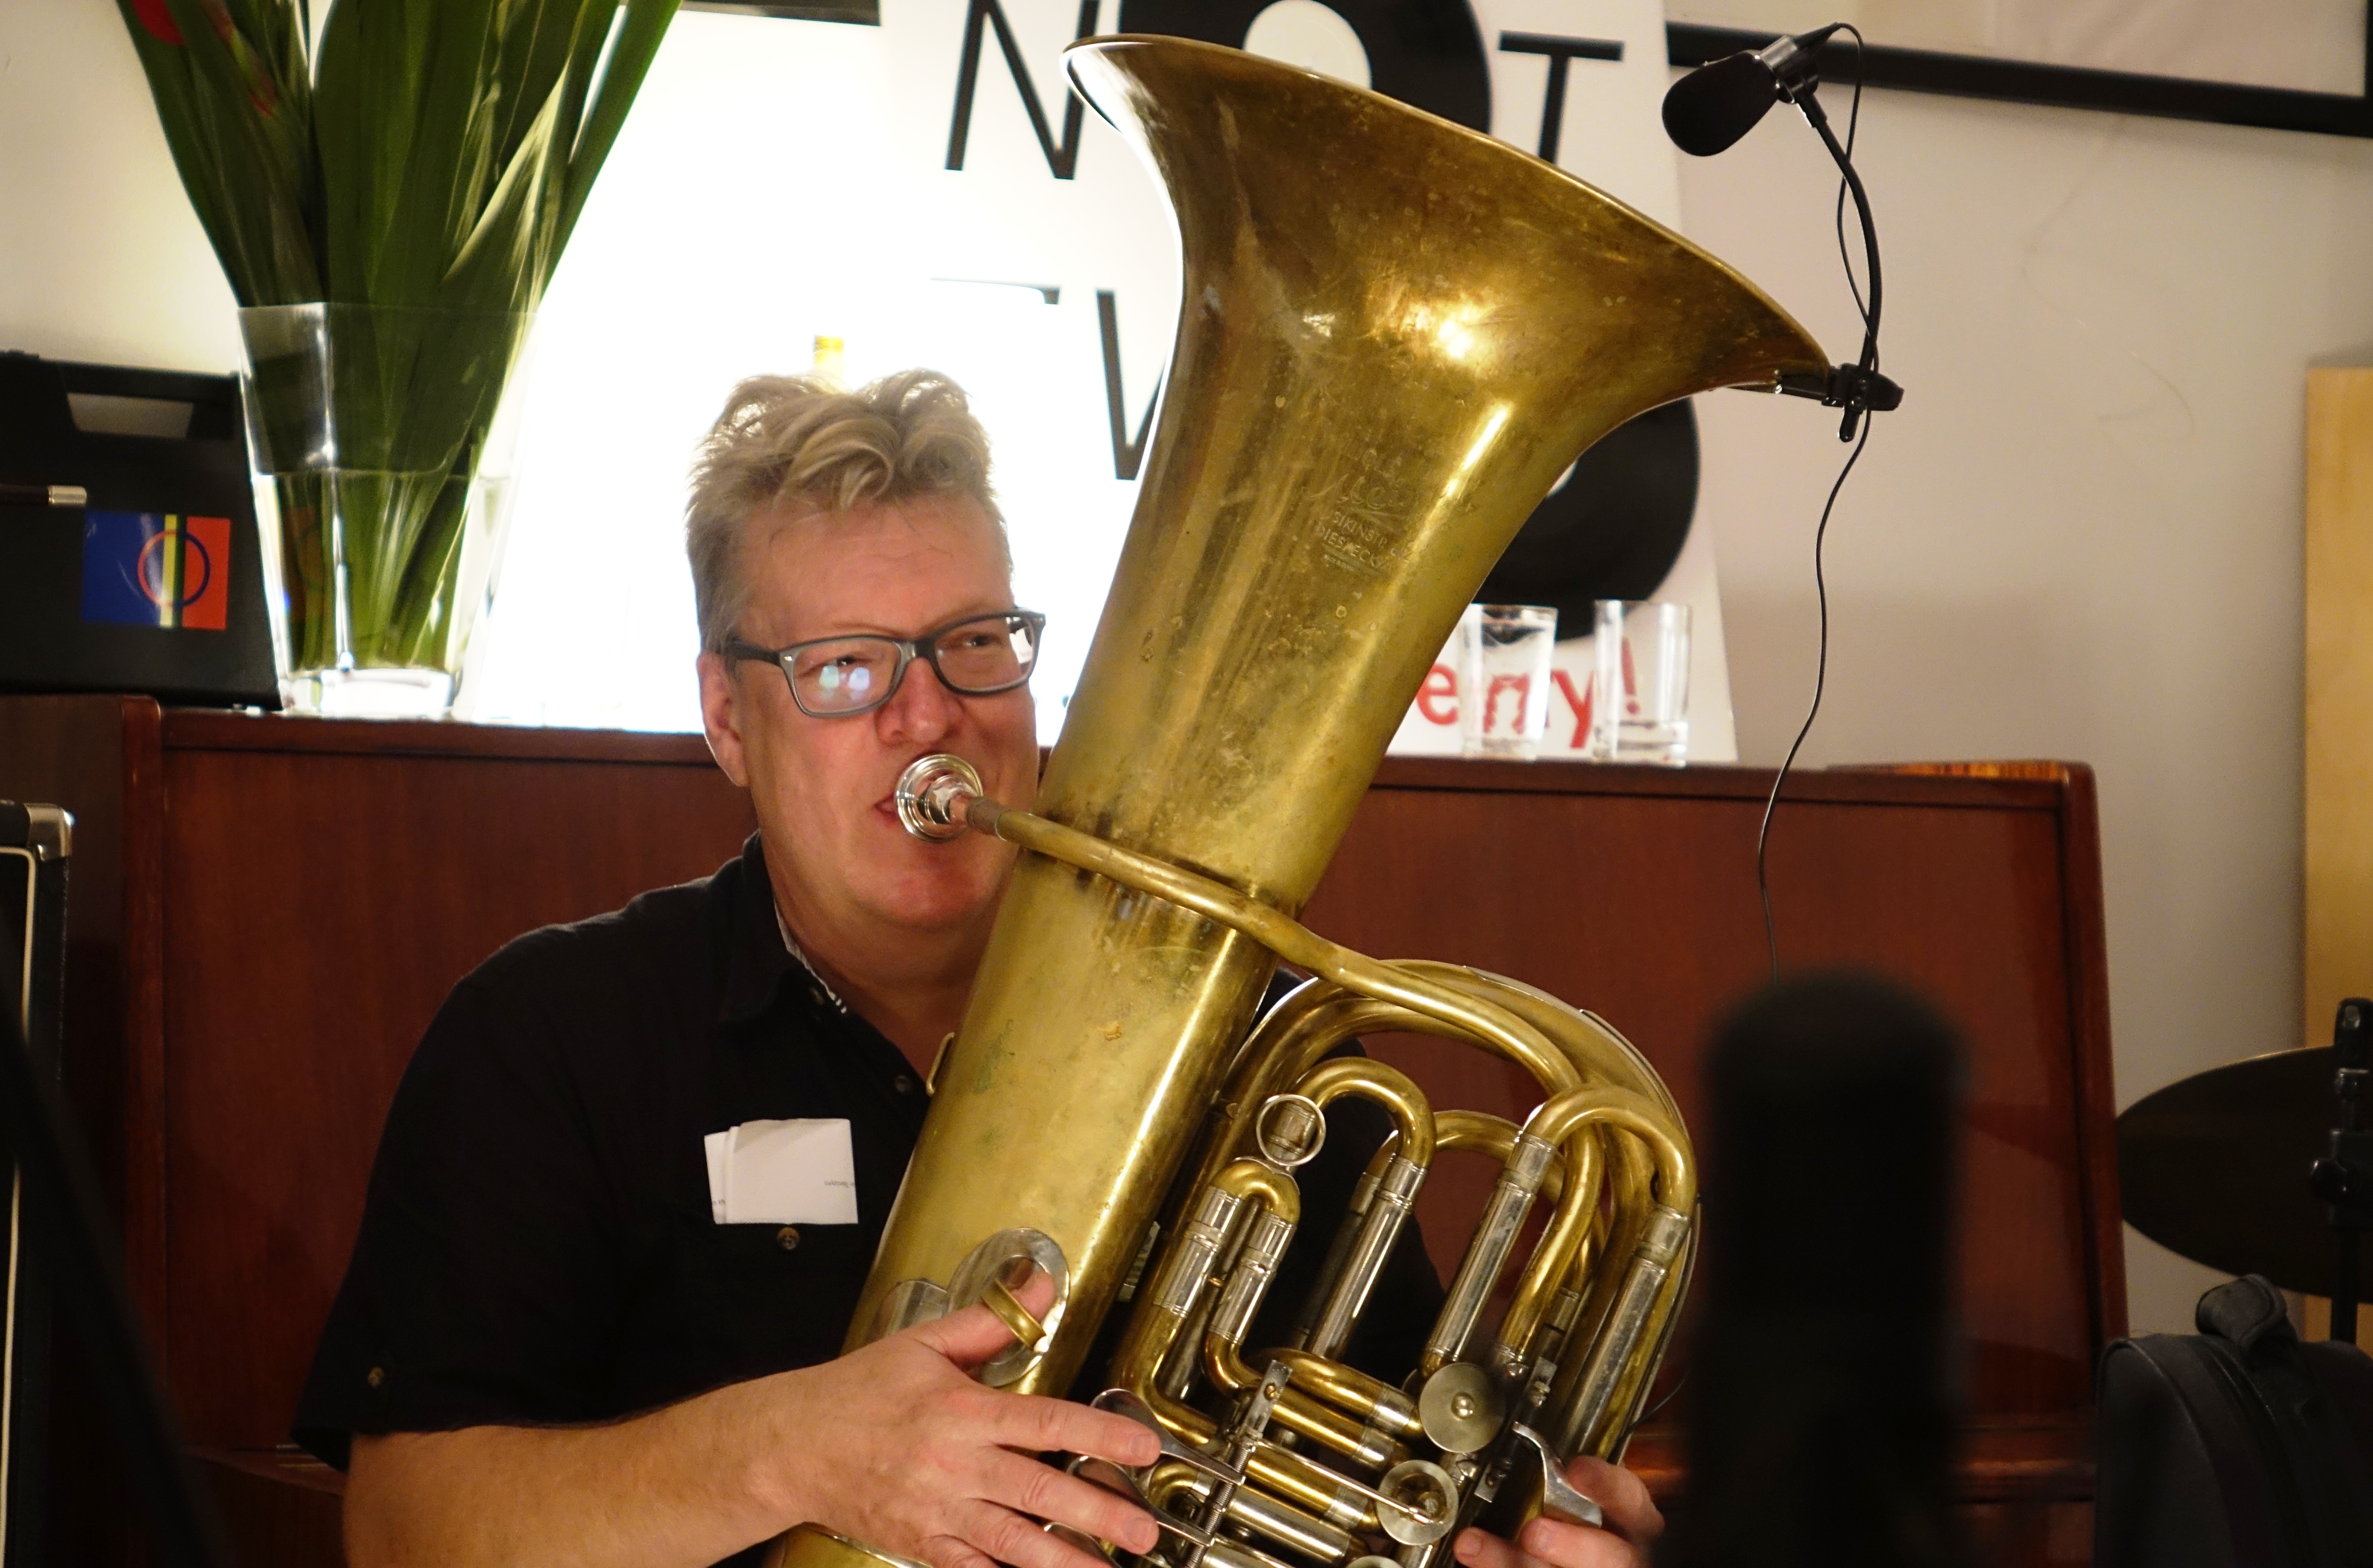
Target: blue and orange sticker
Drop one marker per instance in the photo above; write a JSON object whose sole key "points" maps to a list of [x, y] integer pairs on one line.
{"points": [[156, 569]]}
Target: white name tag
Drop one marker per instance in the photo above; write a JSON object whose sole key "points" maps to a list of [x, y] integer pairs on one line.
{"points": [[781, 1173]]}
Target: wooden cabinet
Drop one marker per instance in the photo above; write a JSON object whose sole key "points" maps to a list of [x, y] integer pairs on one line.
{"points": [[266, 911], [1632, 892]]}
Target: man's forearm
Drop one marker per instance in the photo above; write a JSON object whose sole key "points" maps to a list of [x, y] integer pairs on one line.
{"points": [[893, 1444], [684, 1485]]}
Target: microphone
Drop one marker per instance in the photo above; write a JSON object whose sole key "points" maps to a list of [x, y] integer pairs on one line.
{"points": [[1707, 111], [1822, 1379]]}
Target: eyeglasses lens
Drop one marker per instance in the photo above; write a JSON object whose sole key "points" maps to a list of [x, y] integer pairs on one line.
{"points": [[987, 655], [849, 674]]}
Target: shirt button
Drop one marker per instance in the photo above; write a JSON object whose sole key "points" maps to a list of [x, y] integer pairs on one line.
{"points": [[903, 1083], [788, 1238]]}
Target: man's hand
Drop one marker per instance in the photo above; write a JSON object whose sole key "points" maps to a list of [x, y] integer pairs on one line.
{"points": [[1633, 1523], [924, 1462], [893, 1446]]}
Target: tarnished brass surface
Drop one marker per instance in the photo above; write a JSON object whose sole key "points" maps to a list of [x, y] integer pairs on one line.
{"points": [[811, 1546], [1598, 1294], [1396, 335]]}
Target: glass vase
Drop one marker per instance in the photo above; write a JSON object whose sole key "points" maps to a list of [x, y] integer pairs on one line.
{"points": [[381, 459]]}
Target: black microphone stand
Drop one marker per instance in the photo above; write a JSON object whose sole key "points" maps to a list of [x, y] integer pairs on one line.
{"points": [[2343, 1177], [1857, 387]]}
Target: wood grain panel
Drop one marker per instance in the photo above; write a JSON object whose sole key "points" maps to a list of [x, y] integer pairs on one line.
{"points": [[97, 757], [1642, 907], [278, 1510], [2339, 676], [267, 911], [324, 902]]}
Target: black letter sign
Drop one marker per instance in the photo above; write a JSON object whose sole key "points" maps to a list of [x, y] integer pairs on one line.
{"points": [[1426, 52]]}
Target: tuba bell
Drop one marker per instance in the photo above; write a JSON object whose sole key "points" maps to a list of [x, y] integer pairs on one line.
{"points": [[1396, 335]]}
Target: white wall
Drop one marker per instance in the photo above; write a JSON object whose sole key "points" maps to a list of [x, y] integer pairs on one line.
{"points": [[100, 257], [2311, 45], [2080, 538]]}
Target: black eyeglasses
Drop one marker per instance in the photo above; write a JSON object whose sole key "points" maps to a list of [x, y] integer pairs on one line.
{"points": [[840, 677]]}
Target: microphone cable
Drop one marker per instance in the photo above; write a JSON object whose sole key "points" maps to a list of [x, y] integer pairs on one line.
{"points": [[1866, 308], [1845, 256]]}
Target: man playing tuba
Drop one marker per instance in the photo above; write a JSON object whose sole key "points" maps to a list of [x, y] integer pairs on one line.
{"points": [[592, 1317]]}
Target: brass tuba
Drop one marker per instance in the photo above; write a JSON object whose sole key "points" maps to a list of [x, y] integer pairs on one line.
{"points": [[1396, 335]]}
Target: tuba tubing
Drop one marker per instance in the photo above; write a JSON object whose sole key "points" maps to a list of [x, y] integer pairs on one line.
{"points": [[1396, 335]]}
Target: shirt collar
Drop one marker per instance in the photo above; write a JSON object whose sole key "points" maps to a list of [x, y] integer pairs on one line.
{"points": [[760, 953], [799, 956]]}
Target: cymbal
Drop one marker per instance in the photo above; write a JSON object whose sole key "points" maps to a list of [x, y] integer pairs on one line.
{"points": [[2216, 1167]]}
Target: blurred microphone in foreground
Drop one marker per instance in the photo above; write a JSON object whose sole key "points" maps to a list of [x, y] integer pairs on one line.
{"points": [[1824, 1379]]}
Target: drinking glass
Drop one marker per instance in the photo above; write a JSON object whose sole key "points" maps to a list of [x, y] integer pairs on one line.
{"points": [[1505, 657], [1640, 683]]}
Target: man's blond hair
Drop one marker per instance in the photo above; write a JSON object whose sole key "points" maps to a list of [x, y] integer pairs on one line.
{"points": [[805, 440]]}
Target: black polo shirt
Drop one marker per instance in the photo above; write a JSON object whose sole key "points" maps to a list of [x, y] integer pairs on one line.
{"points": [[537, 1246]]}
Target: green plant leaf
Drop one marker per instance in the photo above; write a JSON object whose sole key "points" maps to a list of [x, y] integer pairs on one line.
{"points": [[434, 157], [239, 134], [403, 120], [638, 43], [536, 47]]}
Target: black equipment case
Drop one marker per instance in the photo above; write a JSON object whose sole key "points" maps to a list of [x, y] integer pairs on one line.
{"points": [[2236, 1448], [155, 583]]}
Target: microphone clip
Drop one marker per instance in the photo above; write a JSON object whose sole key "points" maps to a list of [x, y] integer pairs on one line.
{"points": [[1795, 63], [1857, 389]]}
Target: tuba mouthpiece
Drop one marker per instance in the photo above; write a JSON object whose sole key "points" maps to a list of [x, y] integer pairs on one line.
{"points": [[933, 795]]}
